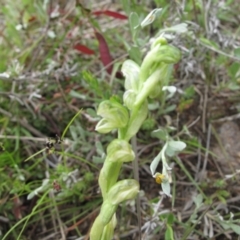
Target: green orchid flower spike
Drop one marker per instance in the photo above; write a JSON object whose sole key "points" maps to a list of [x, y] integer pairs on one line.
{"points": [[113, 114], [141, 82]]}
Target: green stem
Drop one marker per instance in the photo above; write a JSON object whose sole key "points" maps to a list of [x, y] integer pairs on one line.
{"points": [[108, 176]]}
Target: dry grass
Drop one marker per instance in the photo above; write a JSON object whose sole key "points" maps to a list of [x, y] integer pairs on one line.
{"points": [[49, 82]]}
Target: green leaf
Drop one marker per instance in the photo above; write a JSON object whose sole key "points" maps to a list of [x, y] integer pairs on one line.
{"points": [[166, 188], [179, 28], [153, 106], [209, 43], [76, 94], [223, 193], [221, 199], [237, 52], [169, 233], [97, 160], [155, 163], [228, 225], [198, 200], [135, 54], [134, 22], [233, 69], [235, 228], [170, 218], [99, 148], [173, 147], [160, 133], [126, 6], [168, 109], [189, 92]]}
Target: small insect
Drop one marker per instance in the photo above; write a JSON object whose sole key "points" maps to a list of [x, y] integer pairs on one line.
{"points": [[159, 178], [56, 186], [50, 144], [58, 140]]}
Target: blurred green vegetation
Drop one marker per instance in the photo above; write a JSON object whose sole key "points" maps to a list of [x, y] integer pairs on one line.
{"points": [[45, 81]]}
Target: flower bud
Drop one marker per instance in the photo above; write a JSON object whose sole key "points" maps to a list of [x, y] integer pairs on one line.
{"points": [[164, 53], [156, 91], [120, 151], [150, 84], [114, 116], [131, 70], [123, 190], [105, 126], [159, 54], [129, 98], [159, 41]]}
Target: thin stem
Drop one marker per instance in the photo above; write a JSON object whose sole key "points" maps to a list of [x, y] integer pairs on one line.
{"points": [[136, 177]]}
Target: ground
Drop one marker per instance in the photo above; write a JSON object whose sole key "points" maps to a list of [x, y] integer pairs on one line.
{"points": [[59, 60]]}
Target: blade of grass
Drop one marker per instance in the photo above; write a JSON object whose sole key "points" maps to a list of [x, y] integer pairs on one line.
{"points": [[178, 161], [71, 121]]}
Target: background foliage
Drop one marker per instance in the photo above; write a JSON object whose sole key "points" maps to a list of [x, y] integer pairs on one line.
{"points": [[55, 59]]}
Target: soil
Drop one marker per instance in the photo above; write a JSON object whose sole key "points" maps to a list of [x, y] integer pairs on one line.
{"points": [[228, 150]]}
